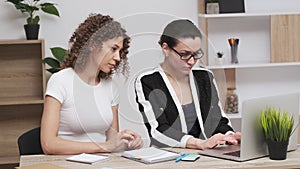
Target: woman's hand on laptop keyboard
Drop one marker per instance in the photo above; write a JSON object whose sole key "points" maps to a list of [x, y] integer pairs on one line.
{"points": [[236, 137], [213, 141]]}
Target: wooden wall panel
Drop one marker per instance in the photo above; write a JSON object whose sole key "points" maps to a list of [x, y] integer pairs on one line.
{"points": [[22, 86], [15, 120], [201, 6], [285, 38]]}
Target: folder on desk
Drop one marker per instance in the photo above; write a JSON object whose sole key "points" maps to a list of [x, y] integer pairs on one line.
{"points": [[150, 155]]}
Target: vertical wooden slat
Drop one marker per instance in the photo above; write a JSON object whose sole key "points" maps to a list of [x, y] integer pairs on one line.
{"points": [[201, 6], [230, 78], [225, 78], [203, 26]]}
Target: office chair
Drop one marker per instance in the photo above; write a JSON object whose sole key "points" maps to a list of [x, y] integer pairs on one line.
{"points": [[29, 142]]}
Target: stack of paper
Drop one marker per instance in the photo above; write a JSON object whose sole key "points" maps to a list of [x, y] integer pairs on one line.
{"points": [[87, 158], [150, 155]]}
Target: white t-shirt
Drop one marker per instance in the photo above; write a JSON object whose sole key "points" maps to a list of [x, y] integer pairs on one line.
{"points": [[86, 111]]}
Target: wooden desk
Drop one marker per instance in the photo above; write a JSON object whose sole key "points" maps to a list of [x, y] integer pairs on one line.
{"points": [[115, 161]]}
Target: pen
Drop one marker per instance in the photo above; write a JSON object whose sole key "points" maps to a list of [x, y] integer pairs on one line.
{"points": [[181, 157], [137, 158]]}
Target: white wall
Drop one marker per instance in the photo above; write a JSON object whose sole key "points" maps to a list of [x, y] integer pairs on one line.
{"points": [[136, 16], [144, 21], [262, 6]]}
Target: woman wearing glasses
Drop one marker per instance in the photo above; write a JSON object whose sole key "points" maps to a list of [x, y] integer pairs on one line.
{"points": [[180, 104]]}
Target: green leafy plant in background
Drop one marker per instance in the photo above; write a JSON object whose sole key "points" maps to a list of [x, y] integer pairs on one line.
{"points": [[59, 54], [30, 7], [277, 126]]}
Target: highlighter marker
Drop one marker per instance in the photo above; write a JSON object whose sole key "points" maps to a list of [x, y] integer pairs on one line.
{"points": [[180, 157]]}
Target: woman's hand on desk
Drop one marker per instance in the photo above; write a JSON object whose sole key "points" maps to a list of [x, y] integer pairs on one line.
{"points": [[213, 141], [123, 140], [136, 142]]}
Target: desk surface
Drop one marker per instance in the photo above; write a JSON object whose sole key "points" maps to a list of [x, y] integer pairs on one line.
{"points": [[115, 162]]}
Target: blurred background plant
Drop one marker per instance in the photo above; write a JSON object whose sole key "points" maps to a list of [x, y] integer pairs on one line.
{"points": [[30, 7], [59, 54]]}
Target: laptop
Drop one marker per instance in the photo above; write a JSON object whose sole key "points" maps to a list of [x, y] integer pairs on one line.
{"points": [[253, 144]]}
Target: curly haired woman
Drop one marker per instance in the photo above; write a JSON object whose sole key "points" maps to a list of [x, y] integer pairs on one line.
{"points": [[81, 102]]}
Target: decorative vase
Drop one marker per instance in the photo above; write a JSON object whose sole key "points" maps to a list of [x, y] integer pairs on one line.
{"points": [[277, 149], [231, 102], [32, 31], [212, 8]]}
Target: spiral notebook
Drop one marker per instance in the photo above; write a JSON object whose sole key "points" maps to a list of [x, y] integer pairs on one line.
{"points": [[150, 155]]}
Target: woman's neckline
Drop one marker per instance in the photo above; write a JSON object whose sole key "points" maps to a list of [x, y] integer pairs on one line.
{"points": [[84, 82]]}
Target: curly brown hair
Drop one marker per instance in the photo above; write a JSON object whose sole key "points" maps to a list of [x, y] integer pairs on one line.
{"points": [[97, 29]]}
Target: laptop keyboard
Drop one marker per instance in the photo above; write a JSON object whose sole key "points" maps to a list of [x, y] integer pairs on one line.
{"points": [[234, 153]]}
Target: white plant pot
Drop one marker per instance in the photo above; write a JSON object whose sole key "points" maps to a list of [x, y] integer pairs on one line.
{"points": [[219, 61], [212, 8]]}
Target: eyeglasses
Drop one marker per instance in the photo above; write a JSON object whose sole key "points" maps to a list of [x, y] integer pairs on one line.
{"points": [[188, 55]]}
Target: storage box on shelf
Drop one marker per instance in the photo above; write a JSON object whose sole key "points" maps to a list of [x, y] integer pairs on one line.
{"points": [[22, 86]]}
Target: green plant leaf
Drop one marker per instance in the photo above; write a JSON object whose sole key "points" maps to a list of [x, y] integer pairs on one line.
{"points": [[31, 6], [36, 20], [53, 70], [20, 6], [49, 8], [14, 1], [277, 126], [59, 53], [52, 62]]}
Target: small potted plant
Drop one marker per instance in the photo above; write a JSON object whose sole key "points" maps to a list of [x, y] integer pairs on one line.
{"points": [[220, 58], [30, 7], [55, 63], [277, 127], [212, 7]]}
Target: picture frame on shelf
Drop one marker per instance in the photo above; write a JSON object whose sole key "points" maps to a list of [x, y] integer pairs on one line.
{"points": [[231, 6]]}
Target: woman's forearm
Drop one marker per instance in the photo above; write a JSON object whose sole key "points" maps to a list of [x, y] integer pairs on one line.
{"points": [[60, 146]]}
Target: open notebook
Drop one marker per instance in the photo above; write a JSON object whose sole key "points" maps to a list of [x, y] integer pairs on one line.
{"points": [[150, 155]]}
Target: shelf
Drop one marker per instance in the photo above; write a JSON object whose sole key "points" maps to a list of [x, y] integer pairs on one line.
{"points": [[20, 100], [234, 116], [267, 65], [233, 15], [21, 71], [19, 42], [22, 88], [9, 160]]}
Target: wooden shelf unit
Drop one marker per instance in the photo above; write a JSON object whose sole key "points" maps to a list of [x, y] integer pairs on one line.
{"points": [[267, 41], [22, 87]]}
